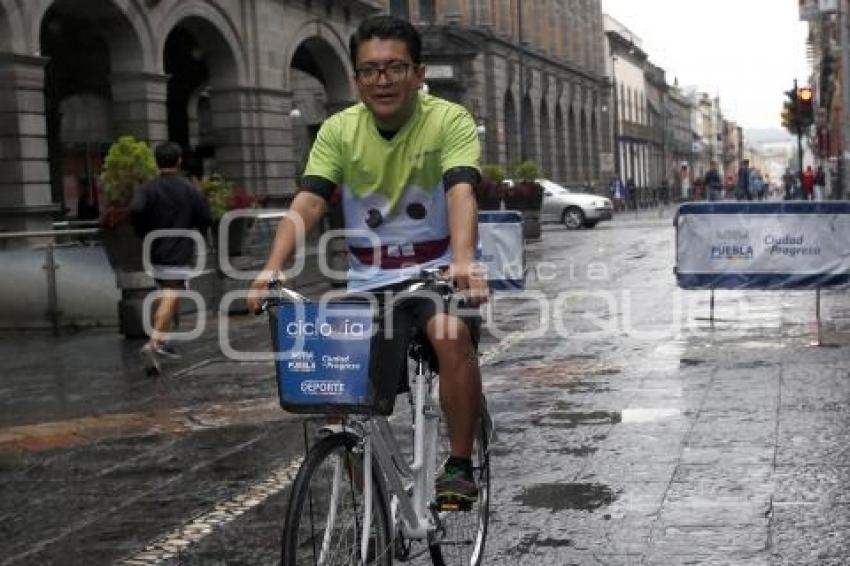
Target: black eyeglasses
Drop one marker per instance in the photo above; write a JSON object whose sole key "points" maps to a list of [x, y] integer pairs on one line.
{"points": [[369, 74]]}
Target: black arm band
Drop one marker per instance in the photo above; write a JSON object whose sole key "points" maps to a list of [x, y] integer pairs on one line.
{"points": [[318, 186], [457, 175]]}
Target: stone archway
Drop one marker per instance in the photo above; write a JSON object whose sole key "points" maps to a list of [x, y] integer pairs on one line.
{"points": [[546, 169], [203, 99], [6, 41], [560, 144], [572, 128], [511, 134], [319, 79], [587, 159], [594, 147], [321, 52], [88, 53], [528, 133]]}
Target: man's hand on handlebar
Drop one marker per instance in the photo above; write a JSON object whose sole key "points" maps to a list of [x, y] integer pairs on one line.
{"points": [[259, 289], [470, 278]]}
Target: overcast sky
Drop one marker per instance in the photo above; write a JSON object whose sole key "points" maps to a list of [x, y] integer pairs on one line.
{"points": [[748, 51]]}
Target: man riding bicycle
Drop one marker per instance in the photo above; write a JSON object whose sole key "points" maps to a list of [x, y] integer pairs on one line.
{"points": [[406, 164]]}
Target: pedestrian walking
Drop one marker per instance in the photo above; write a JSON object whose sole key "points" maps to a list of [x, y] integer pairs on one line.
{"points": [[618, 193], [168, 202], [664, 196], [788, 184], [631, 194], [714, 183], [743, 187], [684, 184], [808, 183], [820, 184]]}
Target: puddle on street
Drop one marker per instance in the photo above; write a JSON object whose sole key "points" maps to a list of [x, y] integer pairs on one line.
{"points": [[752, 365], [530, 541], [562, 496], [579, 452], [516, 361], [573, 419], [646, 415]]}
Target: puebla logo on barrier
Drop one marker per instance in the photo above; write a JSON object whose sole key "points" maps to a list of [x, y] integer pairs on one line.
{"points": [[732, 245]]}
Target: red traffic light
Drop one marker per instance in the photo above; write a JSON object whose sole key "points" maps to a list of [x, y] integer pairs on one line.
{"points": [[806, 95]]}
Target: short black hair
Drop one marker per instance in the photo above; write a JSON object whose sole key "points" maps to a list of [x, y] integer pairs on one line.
{"points": [[387, 27], [167, 155]]}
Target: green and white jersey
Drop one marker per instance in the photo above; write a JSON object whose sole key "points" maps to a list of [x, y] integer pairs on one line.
{"points": [[393, 193]]}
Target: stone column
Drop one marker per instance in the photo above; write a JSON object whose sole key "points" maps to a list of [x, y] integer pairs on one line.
{"points": [[25, 196], [238, 135], [451, 15], [253, 136], [139, 106]]}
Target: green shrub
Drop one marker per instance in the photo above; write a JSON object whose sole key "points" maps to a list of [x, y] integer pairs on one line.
{"points": [[223, 195], [492, 172], [218, 191], [128, 164], [526, 171]]}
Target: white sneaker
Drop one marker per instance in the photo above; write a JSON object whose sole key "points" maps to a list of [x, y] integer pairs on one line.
{"points": [[150, 360], [166, 350]]}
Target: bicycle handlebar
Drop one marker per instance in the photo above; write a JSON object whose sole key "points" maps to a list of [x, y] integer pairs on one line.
{"points": [[429, 280]]}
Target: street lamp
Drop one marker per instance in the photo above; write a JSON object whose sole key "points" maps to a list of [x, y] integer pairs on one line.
{"points": [[482, 129]]}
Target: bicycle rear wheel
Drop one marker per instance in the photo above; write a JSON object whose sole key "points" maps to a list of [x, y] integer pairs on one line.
{"points": [[325, 518], [464, 533]]}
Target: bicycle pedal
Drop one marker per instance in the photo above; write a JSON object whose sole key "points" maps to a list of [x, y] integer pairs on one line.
{"points": [[454, 506]]}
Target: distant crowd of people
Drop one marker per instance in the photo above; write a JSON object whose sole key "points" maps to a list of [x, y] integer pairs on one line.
{"points": [[748, 185]]}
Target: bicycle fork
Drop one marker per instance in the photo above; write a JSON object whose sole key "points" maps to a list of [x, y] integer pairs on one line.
{"points": [[427, 423], [367, 495]]}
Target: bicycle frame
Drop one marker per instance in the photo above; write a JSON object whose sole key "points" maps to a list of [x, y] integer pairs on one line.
{"points": [[413, 484]]}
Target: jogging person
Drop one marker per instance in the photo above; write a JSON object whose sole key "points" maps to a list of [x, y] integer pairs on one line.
{"points": [[168, 202], [406, 164]]}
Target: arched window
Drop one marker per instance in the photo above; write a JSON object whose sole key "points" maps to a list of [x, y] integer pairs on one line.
{"points": [[427, 11], [622, 103], [399, 8]]}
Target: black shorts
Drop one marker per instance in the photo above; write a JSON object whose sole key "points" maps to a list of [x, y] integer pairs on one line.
{"points": [[414, 313], [173, 284], [398, 321]]}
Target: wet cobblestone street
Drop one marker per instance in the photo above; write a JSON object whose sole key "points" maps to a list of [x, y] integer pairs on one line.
{"points": [[631, 430]]}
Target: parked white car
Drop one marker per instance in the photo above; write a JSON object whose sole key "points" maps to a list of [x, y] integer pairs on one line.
{"points": [[573, 209]]}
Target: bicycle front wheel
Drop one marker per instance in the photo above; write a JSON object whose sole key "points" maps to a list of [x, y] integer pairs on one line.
{"points": [[464, 533], [326, 514]]}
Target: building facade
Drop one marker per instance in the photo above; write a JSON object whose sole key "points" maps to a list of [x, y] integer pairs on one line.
{"points": [[658, 123], [530, 72], [827, 50], [626, 63], [682, 139], [733, 147], [237, 82]]}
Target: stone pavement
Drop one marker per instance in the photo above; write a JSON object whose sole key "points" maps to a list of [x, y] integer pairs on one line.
{"points": [[658, 440]]}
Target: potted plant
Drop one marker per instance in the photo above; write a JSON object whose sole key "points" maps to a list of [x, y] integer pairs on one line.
{"points": [[223, 196], [489, 191], [526, 195], [128, 164]]}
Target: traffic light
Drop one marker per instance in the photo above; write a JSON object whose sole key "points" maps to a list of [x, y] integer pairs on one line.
{"points": [[789, 112], [787, 116], [806, 106]]}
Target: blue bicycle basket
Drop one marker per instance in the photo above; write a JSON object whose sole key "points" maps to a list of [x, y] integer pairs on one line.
{"points": [[326, 359]]}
